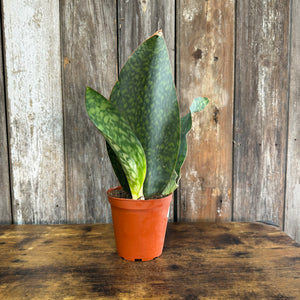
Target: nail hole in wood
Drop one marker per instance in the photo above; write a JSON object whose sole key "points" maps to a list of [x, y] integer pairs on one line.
{"points": [[197, 54]]}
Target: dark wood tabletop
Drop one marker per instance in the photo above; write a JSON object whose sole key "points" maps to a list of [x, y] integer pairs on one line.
{"points": [[200, 260]]}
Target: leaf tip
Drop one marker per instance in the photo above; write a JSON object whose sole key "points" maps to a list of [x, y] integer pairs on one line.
{"points": [[158, 33], [88, 90], [199, 104]]}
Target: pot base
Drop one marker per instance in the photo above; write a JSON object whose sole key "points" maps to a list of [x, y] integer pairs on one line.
{"points": [[139, 259]]}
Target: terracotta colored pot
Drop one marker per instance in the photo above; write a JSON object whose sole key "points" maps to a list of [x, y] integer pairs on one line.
{"points": [[139, 226]]}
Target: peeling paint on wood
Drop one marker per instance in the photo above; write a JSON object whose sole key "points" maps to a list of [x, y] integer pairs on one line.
{"points": [[144, 5], [206, 66], [261, 110], [32, 58], [89, 39], [5, 203], [292, 213], [66, 61]]}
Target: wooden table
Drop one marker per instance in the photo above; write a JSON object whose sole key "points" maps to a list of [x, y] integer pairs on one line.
{"points": [[200, 260]]}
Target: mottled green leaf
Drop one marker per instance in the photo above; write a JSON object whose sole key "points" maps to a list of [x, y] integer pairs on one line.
{"points": [[120, 137], [146, 96], [199, 104], [118, 169], [186, 125], [172, 185]]}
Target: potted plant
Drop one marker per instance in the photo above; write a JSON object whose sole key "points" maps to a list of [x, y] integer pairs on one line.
{"points": [[146, 143]]}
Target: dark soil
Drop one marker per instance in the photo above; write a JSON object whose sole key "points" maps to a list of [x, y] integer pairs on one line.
{"points": [[124, 195], [120, 194]]}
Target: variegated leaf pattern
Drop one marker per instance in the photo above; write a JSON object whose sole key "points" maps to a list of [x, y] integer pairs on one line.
{"points": [[172, 185], [186, 125], [120, 137], [146, 96], [199, 104], [118, 169]]}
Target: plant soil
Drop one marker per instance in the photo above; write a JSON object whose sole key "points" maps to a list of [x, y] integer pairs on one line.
{"points": [[124, 195], [120, 194]]}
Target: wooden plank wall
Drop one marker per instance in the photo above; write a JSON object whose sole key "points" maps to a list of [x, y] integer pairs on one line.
{"points": [[34, 108], [261, 105], [206, 64], [5, 203], [89, 58], [292, 212], [243, 161]]}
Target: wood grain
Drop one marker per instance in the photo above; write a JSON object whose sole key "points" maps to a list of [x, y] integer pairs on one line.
{"points": [[200, 261], [89, 41], [292, 212], [5, 203], [261, 110], [32, 52], [138, 20], [206, 64]]}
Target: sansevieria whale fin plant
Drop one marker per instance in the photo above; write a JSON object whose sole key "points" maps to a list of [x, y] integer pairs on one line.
{"points": [[146, 138]]}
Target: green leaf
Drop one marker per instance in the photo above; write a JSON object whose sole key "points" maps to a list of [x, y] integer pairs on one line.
{"points": [[146, 95], [121, 139], [118, 169], [172, 185], [186, 125], [199, 104]]}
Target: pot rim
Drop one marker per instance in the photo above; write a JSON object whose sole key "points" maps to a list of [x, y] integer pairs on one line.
{"points": [[135, 204], [126, 199]]}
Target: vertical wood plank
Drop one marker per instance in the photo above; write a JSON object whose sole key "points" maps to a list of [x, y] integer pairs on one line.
{"points": [[5, 203], [260, 109], [206, 64], [292, 213], [33, 72], [138, 20], [89, 40]]}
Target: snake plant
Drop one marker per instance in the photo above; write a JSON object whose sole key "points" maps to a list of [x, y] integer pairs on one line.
{"points": [[146, 138]]}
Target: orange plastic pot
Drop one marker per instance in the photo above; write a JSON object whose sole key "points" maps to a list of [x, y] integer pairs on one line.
{"points": [[139, 226]]}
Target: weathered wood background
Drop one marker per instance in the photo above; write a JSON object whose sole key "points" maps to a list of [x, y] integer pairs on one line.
{"points": [[244, 149]]}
